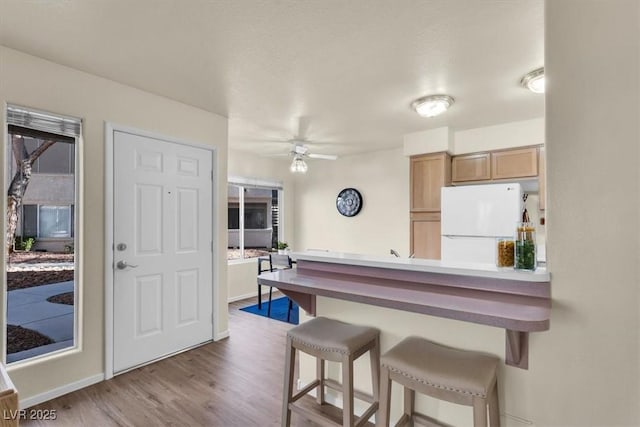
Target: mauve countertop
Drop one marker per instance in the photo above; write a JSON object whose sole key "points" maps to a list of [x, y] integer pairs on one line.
{"points": [[426, 265]]}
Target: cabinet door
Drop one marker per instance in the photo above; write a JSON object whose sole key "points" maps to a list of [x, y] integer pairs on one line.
{"points": [[425, 235], [542, 179], [470, 167], [519, 163], [429, 173]]}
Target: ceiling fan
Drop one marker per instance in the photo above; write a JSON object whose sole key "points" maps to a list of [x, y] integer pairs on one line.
{"points": [[299, 151]]}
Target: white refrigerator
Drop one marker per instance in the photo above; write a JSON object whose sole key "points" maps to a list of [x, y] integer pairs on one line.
{"points": [[474, 216]]}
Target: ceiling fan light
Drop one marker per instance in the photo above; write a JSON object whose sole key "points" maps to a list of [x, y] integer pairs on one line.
{"points": [[432, 105], [534, 80], [298, 165]]}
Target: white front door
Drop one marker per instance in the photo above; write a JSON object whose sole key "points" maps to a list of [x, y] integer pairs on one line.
{"points": [[162, 290]]}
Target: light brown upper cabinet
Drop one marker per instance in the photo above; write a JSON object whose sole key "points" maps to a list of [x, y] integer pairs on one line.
{"points": [[519, 163], [429, 173], [542, 189], [495, 165], [471, 167]]}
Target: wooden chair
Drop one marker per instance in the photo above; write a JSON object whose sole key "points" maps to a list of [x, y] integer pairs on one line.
{"points": [[276, 262]]}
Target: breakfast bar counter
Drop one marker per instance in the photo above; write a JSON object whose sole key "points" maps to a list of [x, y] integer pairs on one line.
{"points": [[519, 302]]}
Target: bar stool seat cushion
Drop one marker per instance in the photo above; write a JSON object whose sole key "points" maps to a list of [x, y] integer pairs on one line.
{"points": [[446, 368], [332, 335]]}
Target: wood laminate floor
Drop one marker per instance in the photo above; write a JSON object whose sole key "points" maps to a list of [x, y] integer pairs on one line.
{"points": [[234, 382]]}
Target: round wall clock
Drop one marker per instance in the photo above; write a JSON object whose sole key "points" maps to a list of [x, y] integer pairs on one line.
{"points": [[349, 202]]}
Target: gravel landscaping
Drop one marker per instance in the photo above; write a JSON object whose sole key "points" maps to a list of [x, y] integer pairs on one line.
{"points": [[20, 339], [66, 298], [35, 276], [38, 257], [31, 274]]}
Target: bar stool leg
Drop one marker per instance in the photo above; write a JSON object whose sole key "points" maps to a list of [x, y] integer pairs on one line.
{"points": [[494, 407], [320, 376], [374, 360], [347, 391], [479, 412], [290, 358], [382, 417], [409, 403]]}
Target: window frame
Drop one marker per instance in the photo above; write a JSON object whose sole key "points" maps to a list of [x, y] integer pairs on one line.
{"points": [[77, 219], [242, 183]]}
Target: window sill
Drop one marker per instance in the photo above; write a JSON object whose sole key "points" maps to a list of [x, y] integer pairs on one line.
{"points": [[242, 261]]}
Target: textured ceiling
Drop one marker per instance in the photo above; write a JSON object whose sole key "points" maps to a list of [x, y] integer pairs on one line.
{"points": [[338, 72]]}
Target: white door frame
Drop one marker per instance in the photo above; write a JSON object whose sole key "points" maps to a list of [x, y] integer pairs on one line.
{"points": [[109, 129]]}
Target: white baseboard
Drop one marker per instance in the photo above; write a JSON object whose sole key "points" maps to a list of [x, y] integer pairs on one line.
{"points": [[217, 336], [249, 295], [60, 391]]}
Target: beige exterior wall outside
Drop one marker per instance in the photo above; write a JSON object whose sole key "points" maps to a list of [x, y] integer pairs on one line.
{"points": [[50, 189], [33, 82]]}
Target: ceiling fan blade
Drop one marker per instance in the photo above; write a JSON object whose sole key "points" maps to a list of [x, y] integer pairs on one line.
{"points": [[299, 149], [277, 155], [322, 156], [303, 127]]}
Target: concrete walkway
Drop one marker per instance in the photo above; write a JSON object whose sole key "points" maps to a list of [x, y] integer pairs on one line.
{"points": [[30, 309]]}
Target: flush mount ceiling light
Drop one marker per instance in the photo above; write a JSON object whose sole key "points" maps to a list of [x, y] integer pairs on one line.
{"points": [[534, 81], [432, 105], [298, 165]]}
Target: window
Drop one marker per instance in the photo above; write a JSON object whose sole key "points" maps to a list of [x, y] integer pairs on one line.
{"points": [[55, 221], [40, 240], [253, 218], [49, 222]]}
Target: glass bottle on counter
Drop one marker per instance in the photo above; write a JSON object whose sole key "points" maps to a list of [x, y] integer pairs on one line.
{"points": [[525, 253], [505, 253]]}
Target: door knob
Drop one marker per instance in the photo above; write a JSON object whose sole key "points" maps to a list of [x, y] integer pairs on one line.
{"points": [[123, 264]]}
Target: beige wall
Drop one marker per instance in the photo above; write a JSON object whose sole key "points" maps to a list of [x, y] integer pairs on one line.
{"points": [[242, 274], [383, 223], [585, 369], [591, 351], [506, 135], [32, 82]]}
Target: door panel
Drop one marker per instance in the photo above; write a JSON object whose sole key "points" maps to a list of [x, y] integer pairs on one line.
{"points": [[163, 217], [471, 167], [148, 213], [148, 305], [187, 301], [187, 221], [514, 163]]}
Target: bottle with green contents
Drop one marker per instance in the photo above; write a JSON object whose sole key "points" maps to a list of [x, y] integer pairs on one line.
{"points": [[525, 251]]}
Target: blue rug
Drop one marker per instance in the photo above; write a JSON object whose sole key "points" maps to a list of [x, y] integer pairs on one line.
{"points": [[279, 308]]}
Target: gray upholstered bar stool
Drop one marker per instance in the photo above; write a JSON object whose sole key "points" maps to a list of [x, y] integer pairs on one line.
{"points": [[458, 376], [336, 341]]}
